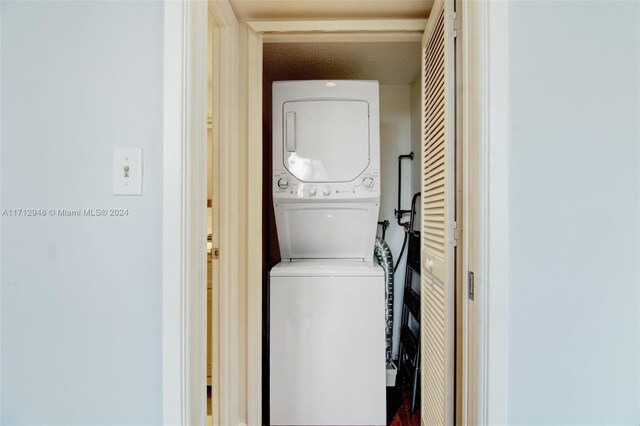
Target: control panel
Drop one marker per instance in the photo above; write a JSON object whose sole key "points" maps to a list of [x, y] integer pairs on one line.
{"points": [[365, 186]]}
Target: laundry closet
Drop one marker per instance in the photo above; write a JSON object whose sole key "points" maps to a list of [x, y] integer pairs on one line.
{"points": [[396, 67]]}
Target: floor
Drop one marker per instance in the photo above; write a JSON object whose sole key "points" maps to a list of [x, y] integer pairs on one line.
{"points": [[209, 417], [398, 405]]}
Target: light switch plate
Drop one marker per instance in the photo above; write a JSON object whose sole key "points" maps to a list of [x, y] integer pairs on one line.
{"points": [[127, 171]]}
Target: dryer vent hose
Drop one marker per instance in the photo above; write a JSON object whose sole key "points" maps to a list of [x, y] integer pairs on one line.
{"points": [[383, 255]]}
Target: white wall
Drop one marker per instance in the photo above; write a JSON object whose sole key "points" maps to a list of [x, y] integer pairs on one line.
{"points": [[80, 297], [395, 140], [416, 131], [574, 279]]}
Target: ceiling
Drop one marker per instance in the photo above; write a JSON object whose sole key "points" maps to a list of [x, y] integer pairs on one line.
{"points": [[247, 10], [389, 63]]}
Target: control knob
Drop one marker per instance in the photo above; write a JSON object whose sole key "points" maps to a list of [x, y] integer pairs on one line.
{"points": [[312, 192], [283, 183], [326, 191], [367, 182]]}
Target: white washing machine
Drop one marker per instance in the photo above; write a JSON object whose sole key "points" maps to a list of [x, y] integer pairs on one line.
{"points": [[327, 296]]}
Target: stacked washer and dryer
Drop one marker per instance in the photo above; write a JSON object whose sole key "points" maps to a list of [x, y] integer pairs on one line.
{"points": [[327, 295]]}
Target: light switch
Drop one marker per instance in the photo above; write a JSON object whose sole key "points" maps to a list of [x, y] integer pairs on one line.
{"points": [[127, 171]]}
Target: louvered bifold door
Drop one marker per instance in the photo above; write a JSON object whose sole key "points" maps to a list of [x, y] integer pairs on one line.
{"points": [[438, 198]]}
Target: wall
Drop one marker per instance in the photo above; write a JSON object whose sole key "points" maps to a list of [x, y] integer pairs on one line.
{"points": [[415, 97], [80, 296], [574, 186], [416, 130], [395, 140]]}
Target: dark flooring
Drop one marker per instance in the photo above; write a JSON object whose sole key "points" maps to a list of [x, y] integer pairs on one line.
{"points": [[398, 407]]}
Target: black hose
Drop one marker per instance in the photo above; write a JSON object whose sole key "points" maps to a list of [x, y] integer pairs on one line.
{"points": [[404, 243], [385, 225]]}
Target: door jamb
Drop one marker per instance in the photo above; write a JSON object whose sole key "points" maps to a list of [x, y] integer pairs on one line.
{"points": [[484, 28], [184, 215], [225, 327], [183, 226]]}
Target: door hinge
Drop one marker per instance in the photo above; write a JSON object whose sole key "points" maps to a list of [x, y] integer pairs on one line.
{"points": [[455, 24], [471, 286], [457, 233]]}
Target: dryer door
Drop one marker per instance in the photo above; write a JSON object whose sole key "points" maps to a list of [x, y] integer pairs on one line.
{"points": [[325, 140]]}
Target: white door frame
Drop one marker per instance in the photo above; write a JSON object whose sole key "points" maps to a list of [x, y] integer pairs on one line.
{"points": [[183, 226], [184, 214], [237, 368], [484, 42], [226, 301]]}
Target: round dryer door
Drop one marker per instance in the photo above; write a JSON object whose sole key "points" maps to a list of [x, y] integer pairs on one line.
{"points": [[326, 140]]}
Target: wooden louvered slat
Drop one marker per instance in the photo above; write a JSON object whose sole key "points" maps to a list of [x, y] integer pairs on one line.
{"points": [[434, 135], [437, 231], [436, 211], [434, 126], [436, 123], [432, 51], [431, 219], [438, 120], [435, 80], [436, 156], [434, 248], [436, 228], [436, 205], [436, 173], [436, 84], [436, 319], [434, 132], [435, 242], [434, 62], [435, 197], [439, 27], [433, 186], [435, 239], [434, 182], [438, 225], [434, 151]]}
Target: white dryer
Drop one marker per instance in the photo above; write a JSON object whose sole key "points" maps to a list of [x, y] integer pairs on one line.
{"points": [[326, 168], [326, 315]]}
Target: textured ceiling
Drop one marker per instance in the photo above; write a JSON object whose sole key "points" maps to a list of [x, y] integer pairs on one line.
{"points": [[330, 9], [389, 63]]}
